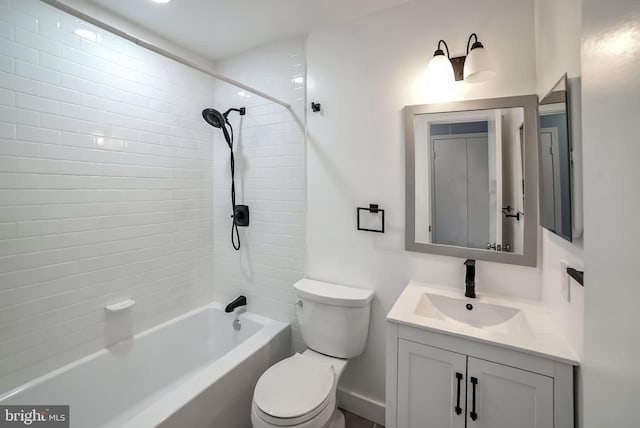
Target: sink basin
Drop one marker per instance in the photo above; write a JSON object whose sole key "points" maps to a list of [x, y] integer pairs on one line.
{"points": [[464, 310], [510, 322]]}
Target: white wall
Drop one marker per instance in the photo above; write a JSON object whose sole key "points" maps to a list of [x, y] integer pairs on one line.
{"points": [[105, 188], [611, 102], [96, 11], [270, 176], [363, 72], [558, 43], [558, 32]]}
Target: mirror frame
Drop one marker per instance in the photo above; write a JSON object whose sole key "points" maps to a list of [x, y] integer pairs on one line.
{"points": [[529, 255]]}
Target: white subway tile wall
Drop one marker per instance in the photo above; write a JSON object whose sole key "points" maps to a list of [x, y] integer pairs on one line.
{"points": [[270, 178], [105, 188]]}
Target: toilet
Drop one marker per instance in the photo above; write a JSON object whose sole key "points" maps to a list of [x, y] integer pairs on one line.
{"points": [[300, 391]]}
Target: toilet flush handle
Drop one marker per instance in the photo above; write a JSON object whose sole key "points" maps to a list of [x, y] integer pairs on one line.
{"points": [[299, 303]]}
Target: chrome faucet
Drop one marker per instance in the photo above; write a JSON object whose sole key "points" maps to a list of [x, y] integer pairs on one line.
{"points": [[470, 279]]}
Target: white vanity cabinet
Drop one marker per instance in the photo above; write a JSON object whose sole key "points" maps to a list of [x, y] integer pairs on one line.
{"points": [[431, 387], [500, 396], [436, 380]]}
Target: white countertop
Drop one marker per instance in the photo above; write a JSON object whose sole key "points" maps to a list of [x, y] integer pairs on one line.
{"points": [[532, 330]]}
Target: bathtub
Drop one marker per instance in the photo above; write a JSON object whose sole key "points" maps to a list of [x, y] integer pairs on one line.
{"points": [[193, 371]]}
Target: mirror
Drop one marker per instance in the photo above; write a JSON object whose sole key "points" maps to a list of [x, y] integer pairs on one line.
{"points": [[555, 161], [471, 176]]}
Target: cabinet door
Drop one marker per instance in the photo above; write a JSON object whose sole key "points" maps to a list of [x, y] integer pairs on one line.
{"points": [[506, 397], [431, 386]]}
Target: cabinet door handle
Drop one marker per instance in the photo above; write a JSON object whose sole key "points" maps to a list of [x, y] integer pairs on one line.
{"points": [[473, 414], [458, 409]]}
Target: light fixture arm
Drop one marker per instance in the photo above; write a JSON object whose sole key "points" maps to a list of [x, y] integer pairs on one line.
{"points": [[475, 44], [440, 51]]}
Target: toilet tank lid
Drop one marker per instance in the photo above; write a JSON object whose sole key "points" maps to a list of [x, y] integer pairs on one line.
{"points": [[333, 294]]}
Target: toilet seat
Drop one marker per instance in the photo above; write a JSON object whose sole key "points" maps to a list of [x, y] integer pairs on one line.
{"points": [[294, 390]]}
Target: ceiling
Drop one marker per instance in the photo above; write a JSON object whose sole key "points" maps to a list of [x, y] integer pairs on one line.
{"points": [[217, 29]]}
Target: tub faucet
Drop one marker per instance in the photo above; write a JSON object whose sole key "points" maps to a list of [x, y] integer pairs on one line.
{"points": [[240, 301], [470, 279]]}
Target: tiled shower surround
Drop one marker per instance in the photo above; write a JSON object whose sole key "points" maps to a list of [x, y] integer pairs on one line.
{"points": [[106, 184], [113, 187], [270, 178]]}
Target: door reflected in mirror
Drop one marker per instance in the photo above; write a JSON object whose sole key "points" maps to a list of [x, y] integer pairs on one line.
{"points": [[466, 170], [472, 171]]}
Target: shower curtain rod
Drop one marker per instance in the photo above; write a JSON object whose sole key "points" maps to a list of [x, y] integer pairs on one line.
{"points": [[153, 48]]}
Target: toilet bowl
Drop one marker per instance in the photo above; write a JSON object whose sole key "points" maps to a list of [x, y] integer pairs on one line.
{"points": [[300, 391]]}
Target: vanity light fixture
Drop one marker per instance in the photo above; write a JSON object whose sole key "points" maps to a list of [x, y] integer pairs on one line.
{"points": [[475, 67]]}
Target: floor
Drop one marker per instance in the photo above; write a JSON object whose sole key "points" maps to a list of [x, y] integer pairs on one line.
{"points": [[355, 421]]}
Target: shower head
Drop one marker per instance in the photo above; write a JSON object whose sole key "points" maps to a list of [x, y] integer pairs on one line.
{"points": [[214, 118], [218, 120]]}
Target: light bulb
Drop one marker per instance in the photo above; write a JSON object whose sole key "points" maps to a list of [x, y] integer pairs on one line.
{"points": [[477, 66], [439, 75]]}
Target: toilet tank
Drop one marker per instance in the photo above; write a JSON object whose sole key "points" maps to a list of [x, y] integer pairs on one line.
{"points": [[334, 319]]}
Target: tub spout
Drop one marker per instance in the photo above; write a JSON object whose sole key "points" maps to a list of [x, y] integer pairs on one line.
{"points": [[240, 301]]}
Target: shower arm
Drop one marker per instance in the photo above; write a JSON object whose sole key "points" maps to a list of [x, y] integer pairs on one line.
{"points": [[153, 48], [240, 110]]}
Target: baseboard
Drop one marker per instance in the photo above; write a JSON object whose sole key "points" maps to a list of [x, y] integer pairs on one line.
{"points": [[361, 405]]}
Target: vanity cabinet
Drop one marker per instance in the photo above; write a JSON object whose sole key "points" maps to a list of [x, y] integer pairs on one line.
{"points": [[441, 389], [439, 381], [507, 397], [431, 387]]}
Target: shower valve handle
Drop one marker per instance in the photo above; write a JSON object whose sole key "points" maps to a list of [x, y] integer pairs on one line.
{"points": [[241, 215]]}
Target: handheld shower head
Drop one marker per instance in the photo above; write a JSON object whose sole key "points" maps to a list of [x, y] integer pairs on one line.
{"points": [[218, 120], [214, 118]]}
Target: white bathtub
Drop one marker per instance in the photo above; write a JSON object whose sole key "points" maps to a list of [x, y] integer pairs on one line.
{"points": [[193, 371]]}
